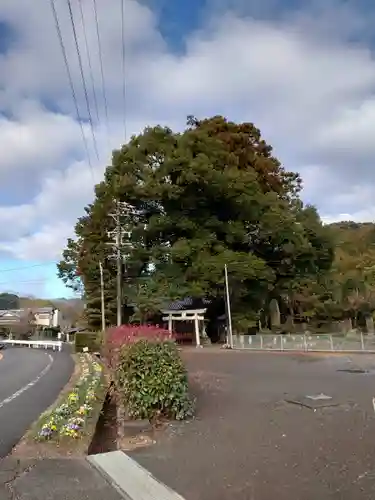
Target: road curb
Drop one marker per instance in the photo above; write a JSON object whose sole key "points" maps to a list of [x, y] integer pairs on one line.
{"points": [[132, 480]]}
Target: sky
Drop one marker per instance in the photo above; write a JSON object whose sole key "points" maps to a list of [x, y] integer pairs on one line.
{"points": [[303, 72]]}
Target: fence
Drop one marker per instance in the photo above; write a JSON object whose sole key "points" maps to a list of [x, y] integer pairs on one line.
{"points": [[36, 344], [305, 343]]}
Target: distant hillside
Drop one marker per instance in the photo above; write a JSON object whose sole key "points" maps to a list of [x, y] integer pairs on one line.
{"points": [[13, 301], [9, 301], [71, 302]]}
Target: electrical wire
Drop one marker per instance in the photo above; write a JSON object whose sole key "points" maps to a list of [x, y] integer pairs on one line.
{"points": [[24, 281], [82, 76], [89, 60], [105, 102], [27, 267], [63, 50]]}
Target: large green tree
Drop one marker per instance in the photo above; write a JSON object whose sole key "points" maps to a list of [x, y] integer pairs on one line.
{"points": [[211, 196]]}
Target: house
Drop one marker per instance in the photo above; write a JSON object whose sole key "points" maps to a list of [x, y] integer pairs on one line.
{"points": [[20, 322], [42, 317], [48, 317], [10, 317]]}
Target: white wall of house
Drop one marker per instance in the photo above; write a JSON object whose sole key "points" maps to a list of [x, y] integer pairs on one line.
{"points": [[48, 319], [56, 318], [43, 319]]}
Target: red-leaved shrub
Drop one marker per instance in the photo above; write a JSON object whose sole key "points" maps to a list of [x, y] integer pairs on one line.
{"points": [[119, 336]]}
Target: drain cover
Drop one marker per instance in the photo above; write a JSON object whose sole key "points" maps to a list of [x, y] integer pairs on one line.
{"points": [[314, 402], [319, 397], [353, 370]]}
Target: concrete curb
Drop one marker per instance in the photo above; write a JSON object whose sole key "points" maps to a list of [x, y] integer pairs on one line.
{"points": [[131, 479]]}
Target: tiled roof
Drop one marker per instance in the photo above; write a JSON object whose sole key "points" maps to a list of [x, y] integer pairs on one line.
{"points": [[37, 310], [43, 310], [188, 303], [10, 312]]}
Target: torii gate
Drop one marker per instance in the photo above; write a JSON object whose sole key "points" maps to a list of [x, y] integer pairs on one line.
{"points": [[195, 315]]}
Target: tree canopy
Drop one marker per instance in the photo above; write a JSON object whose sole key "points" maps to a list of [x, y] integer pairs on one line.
{"points": [[192, 202]]}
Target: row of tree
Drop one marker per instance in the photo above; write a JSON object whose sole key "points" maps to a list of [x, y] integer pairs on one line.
{"points": [[191, 202]]}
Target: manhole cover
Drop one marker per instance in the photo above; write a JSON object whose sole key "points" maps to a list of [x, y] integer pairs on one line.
{"points": [[320, 397], [314, 402], [353, 370]]}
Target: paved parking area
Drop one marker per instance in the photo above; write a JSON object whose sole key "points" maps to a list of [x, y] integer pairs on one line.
{"points": [[247, 442]]}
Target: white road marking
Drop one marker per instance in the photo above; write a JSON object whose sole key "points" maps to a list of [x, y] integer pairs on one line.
{"points": [[30, 384]]}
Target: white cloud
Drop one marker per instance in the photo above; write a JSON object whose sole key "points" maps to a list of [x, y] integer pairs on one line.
{"points": [[311, 95], [43, 245], [40, 138]]}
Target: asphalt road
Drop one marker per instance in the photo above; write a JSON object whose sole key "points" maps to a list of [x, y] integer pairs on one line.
{"points": [[247, 442], [30, 381]]}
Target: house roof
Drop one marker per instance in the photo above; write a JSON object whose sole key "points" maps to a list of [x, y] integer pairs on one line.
{"points": [[18, 312], [41, 310], [10, 313], [188, 303], [8, 316]]}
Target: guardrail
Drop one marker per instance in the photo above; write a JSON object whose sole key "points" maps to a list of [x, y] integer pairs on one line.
{"points": [[36, 344], [305, 343]]}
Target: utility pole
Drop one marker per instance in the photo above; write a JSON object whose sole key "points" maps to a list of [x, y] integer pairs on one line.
{"points": [[117, 237], [228, 311], [119, 266], [102, 296]]}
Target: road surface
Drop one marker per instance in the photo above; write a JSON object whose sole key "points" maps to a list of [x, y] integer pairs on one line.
{"points": [[247, 442], [30, 381]]}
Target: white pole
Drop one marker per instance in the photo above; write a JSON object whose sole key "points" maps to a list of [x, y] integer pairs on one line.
{"points": [[197, 338], [229, 318], [102, 295]]}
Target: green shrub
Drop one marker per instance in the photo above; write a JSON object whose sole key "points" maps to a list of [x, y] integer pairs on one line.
{"points": [[153, 381], [86, 339]]}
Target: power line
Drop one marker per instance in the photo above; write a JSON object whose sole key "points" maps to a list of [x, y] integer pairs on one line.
{"points": [[123, 64], [82, 76], [63, 50], [9, 283], [101, 68], [27, 267], [89, 60]]}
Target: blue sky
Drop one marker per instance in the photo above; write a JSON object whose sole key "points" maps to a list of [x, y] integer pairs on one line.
{"points": [[39, 278], [303, 72]]}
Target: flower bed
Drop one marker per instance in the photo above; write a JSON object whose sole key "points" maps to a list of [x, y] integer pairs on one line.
{"points": [[70, 419]]}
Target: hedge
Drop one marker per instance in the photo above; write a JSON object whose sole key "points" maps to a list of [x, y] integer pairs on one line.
{"points": [[153, 382], [90, 340]]}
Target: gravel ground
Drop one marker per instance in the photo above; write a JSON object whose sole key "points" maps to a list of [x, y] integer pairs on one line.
{"points": [[247, 442]]}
